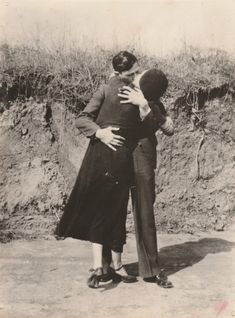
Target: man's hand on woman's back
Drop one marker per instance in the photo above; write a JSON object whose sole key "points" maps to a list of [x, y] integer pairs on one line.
{"points": [[109, 138]]}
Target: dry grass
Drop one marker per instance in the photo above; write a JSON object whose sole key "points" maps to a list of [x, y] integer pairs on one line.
{"points": [[72, 76]]}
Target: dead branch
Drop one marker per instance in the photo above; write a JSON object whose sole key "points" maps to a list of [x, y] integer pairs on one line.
{"points": [[201, 141]]}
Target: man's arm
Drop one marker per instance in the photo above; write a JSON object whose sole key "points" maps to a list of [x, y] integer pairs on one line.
{"points": [[86, 119]]}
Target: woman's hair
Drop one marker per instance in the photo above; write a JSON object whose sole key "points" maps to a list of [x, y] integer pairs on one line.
{"points": [[153, 84], [123, 61]]}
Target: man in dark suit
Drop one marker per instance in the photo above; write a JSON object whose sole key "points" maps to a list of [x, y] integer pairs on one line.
{"points": [[154, 116]]}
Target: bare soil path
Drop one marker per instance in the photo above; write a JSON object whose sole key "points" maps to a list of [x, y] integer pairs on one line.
{"points": [[47, 278]]}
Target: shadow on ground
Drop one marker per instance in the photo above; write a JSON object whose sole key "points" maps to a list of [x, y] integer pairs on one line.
{"points": [[177, 257]]}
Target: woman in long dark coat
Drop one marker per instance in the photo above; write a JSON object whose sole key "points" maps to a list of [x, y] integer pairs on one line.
{"points": [[97, 207]]}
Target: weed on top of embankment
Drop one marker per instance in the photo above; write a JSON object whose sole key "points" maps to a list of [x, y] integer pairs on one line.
{"points": [[70, 77]]}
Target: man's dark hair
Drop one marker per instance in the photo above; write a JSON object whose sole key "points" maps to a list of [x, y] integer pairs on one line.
{"points": [[123, 61]]}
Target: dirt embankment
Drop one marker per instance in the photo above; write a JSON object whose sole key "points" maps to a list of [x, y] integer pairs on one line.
{"points": [[41, 151], [195, 179], [33, 189]]}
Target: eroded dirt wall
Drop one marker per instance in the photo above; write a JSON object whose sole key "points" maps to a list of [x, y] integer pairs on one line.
{"points": [[41, 151]]}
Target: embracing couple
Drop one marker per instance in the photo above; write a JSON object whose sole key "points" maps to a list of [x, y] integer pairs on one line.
{"points": [[121, 120]]}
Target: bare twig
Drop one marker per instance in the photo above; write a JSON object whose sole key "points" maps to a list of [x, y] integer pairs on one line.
{"points": [[90, 77], [56, 214], [201, 141]]}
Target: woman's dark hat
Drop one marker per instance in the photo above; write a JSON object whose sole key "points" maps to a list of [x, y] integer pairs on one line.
{"points": [[153, 84]]}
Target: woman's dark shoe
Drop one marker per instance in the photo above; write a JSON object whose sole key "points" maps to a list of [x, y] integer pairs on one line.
{"points": [[106, 277], [95, 277], [161, 280], [116, 274]]}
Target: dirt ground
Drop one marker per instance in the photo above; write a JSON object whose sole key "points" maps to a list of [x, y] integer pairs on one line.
{"points": [[47, 278]]}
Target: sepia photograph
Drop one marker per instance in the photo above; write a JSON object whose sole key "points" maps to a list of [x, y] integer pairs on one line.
{"points": [[117, 159]]}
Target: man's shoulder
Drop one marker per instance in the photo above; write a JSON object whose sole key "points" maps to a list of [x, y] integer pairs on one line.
{"points": [[114, 80], [113, 85]]}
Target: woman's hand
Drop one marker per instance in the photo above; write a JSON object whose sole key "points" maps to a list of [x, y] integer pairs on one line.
{"points": [[168, 127], [133, 96], [110, 139]]}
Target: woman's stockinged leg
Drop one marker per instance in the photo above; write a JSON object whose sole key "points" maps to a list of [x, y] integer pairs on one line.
{"points": [[117, 263], [116, 260], [119, 270], [97, 255], [97, 270]]}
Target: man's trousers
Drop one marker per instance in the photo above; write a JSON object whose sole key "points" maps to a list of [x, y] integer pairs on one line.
{"points": [[143, 197]]}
